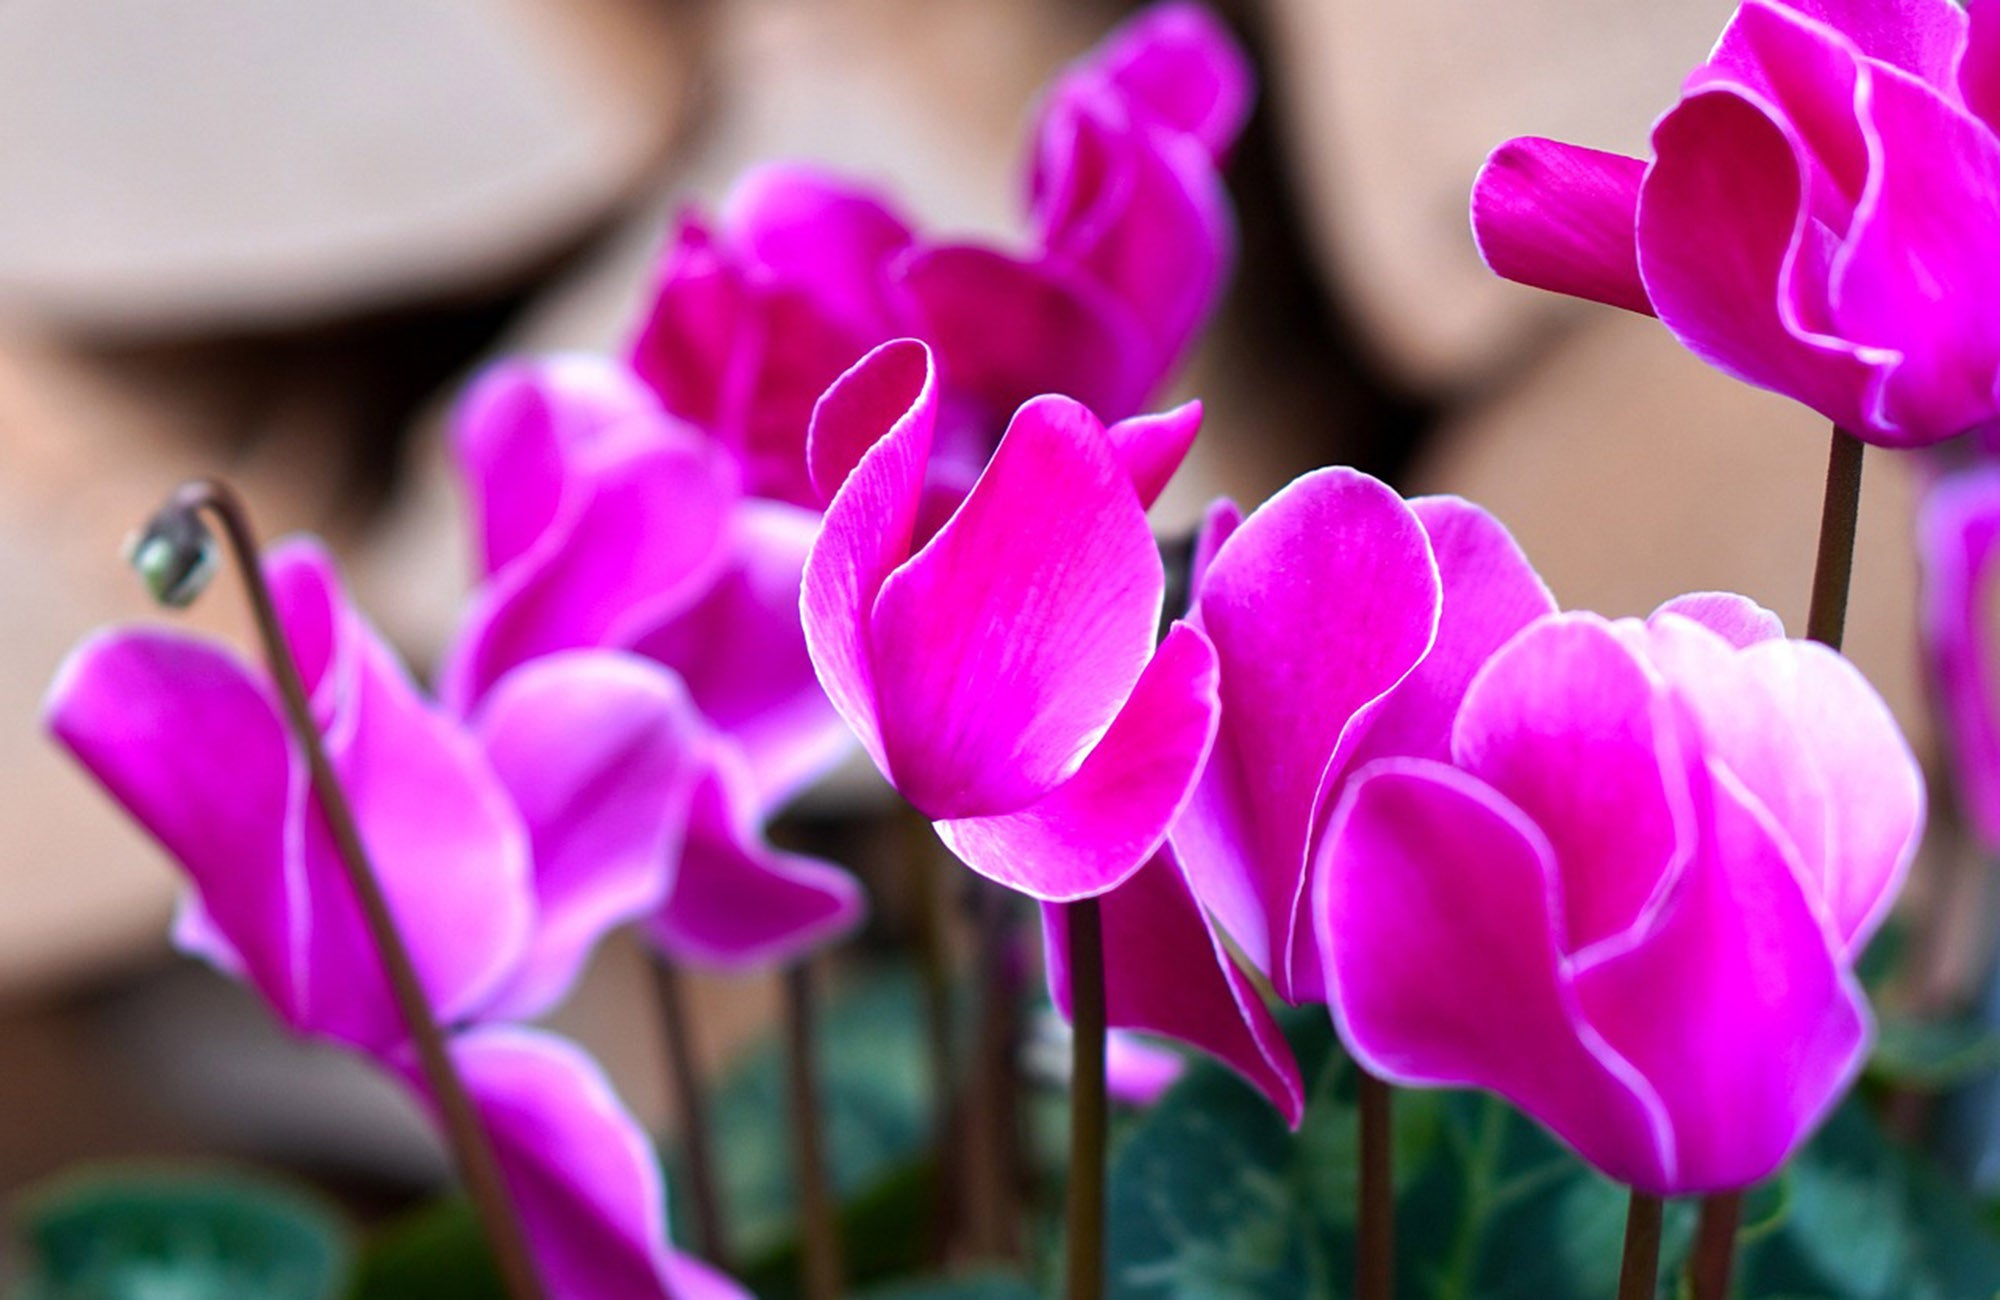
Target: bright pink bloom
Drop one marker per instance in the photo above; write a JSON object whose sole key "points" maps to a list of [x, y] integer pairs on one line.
{"points": [[1819, 218], [757, 312], [1958, 535], [1347, 624], [604, 521], [1631, 901], [995, 652], [506, 845]]}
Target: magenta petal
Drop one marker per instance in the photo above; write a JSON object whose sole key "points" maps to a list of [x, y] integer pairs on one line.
{"points": [[1176, 65], [830, 238], [1436, 908], [1725, 255], [1155, 980], [1566, 697], [871, 438], [1218, 524], [1735, 1007], [737, 902], [510, 451], [1490, 592], [1138, 1071], [1959, 541], [1322, 601], [1912, 275], [698, 342], [1152, 447], [190, 743], [1560, 217], [600, 752], [1979, 69], [1098, 827], [584, 1178], [1004, 647], [1736, 619], [741, 651], [442, 832], [1008, 330], [1922, 37]]}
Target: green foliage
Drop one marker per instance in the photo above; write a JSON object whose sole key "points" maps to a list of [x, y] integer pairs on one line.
{"points": [[1212, 1198], [437, 1253], [155, 1234], [1932, 1055], [985, 1287]]}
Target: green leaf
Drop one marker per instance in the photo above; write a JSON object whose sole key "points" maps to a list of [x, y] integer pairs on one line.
{"points": [[437, 1253], [159, 1234], [1933, 1054]]}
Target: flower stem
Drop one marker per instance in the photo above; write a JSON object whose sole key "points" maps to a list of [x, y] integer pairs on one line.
{"points": [[471, 1147], [710, 1226], [1834, 567], [821, 1238], [1715, 1245], [934, 963], [1639, 1275], [1086, 1102], [999, 1058], [1375, 1267]]}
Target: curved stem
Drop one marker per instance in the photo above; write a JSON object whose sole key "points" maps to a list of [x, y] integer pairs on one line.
{"points": [[1087, 1105], [690, 1097], [821, 1261], [1639, 1275], [1840, 511], [1715, 1245], [471, 1148], [1375, 1266]]}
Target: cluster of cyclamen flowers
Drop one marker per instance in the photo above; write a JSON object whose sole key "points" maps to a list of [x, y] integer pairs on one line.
{"points": [[850, 481]]}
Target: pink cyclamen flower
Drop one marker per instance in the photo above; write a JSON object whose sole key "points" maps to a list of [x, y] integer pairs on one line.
{"points": [[1819, 217], [603, 521], [1958, 541], [1632, 899], [505, 844], [756, 312], [1347, 623], [995, 652]]}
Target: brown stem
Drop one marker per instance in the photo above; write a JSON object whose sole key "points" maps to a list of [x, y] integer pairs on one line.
{"points": [[1715, 1245], [1000, 1067], [690, 1097], [1833, 569], [934, 963], [821, 1239], [472, 1149], [1375, 1267], [1639, 1275], [1087, 1107]]}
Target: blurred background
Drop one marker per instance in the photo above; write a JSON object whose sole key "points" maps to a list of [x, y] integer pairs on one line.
{"points": [[272, 238]]}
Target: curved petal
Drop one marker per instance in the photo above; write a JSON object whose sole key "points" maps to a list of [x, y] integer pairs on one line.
{"points": [[1155, 981], [1436, 902], [1735, 1007], [584, 1178], [1736, 619], [698, 337], [600, 752], [1911, 276], [191, 744], [1978, 73], [442, 833], [737, 902], [645, 532], [741, 651], [1177, 66], [1097, 828], [1924, 38], [509, 453], [1152, 447], [1489, 592], [1724, 254], [1005, 647], [1318, 604], [1958, 541], [1565, 698], [1561, 217], [871, 438]]}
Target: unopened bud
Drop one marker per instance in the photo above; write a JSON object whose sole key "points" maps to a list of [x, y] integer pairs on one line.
{"points": [[176, 555]]}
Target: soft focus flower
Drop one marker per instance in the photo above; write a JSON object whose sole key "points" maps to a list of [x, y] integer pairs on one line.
{"points": [[995, 652], [757, 311], [1819, 218], [604, 521], [1632, 900], [1958, 536], [506, 844], [1347, 623]]}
